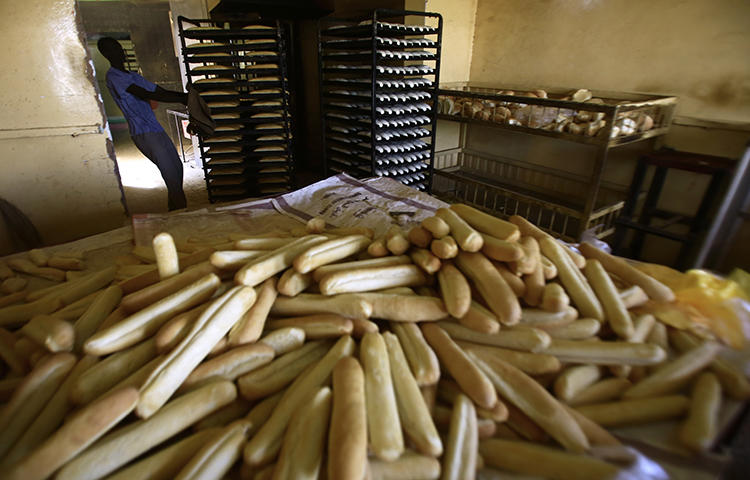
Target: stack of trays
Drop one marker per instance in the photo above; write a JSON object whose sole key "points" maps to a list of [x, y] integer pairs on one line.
{"points": [[379, 95], [240, 71]]}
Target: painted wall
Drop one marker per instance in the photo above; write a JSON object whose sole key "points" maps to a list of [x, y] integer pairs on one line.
{"points": [[696, 49], [53, 140]]}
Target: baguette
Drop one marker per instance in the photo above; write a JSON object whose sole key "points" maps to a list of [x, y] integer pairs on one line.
{"points": [[574, 282], [12, 298], [606, 353], [316, 327], [233, 260], [147, 321], [467, 238], [534, 280], [75, 435], [593, 431], [494, 289], [523, 426], [529, 363], [149, 278], [324, 270], [84, 286], [15, 315], [346, 305], [448, 391], [105, 374], [7, 387], [529, 229], [532, 340], [550, 270], [275, 261], [347, 441], [104, 303], [633, 296], [167, 261], [419, 236], [459, 461], [479, 319], [657, 334], [540, 461], [236, 410], [31, 396], [698, 431], [486, 223], [409, 465], [213, 324], [466, 373], [13, 285], [653, 288], [53, 334], [554, 298], [363, 280], [422, 359], [614, 309], [426, 260], [121, 446], [167, 462], [733, 381], [573, 380], [530, 258], [65, 263], [377, 248], [281, 371], [258, 415], [672, 376], [292, 282], [172, 332], [342, 231], [637, 411], [437, 227], [262, 243], [395, 241], [25, 266], [284, 340], [304, 442], [315, 225], [405, 308], [139, 300], [580, 329], [533, 400], [455, 290], [329, 251], [514, 281], [264, 446], [5, 271], [605, 390], [217, 455], [412, 409], [249, 328], [231, 364], [501, 250], [444, 247], [383, 424]]}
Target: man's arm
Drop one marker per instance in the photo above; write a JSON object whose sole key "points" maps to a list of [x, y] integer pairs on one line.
{"points": [[160, 94]]}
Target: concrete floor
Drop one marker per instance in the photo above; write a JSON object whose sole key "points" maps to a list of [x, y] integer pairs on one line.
{"points": [[145, 191]]}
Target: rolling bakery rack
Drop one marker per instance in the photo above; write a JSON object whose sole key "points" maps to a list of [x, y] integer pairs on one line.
{"points": [[558, 201], [378, 81], [240, 71]]}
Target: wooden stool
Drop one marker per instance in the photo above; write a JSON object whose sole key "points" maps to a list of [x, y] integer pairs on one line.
{"points": [[718, 168]]}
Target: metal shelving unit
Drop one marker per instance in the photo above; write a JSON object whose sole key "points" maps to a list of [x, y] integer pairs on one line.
{"points": [[240, 71], [559, 202], [379, 82]]}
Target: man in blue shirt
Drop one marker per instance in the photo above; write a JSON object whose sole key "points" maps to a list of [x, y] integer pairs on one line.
{"points": [[132, 93]]}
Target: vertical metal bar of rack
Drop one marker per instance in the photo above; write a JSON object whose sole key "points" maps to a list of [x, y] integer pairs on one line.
{"points": [[595, 179], [433, 122], [280, 47]]}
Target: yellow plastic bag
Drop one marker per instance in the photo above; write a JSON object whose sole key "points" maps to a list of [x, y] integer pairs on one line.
{"points": [[704, 303]]}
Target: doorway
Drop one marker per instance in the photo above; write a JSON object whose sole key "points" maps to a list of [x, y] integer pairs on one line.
{"points": [[145, 33]]}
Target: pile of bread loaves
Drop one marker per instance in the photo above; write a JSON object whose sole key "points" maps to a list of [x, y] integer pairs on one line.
{"points": [[467, 342], [518, 113]]}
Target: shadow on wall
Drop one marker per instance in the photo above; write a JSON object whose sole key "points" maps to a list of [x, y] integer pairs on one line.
{"points": [[18, 233]]}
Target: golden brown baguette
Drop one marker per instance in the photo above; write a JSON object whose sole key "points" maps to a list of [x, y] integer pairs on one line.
{"points": [[347, 441]]}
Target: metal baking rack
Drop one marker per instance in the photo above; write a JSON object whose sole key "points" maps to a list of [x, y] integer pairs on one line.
{"points": [[240, 71], [559, 202], [379, 79]]}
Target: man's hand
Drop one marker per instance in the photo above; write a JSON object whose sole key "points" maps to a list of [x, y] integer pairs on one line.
{"points": [[160, 94]]}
